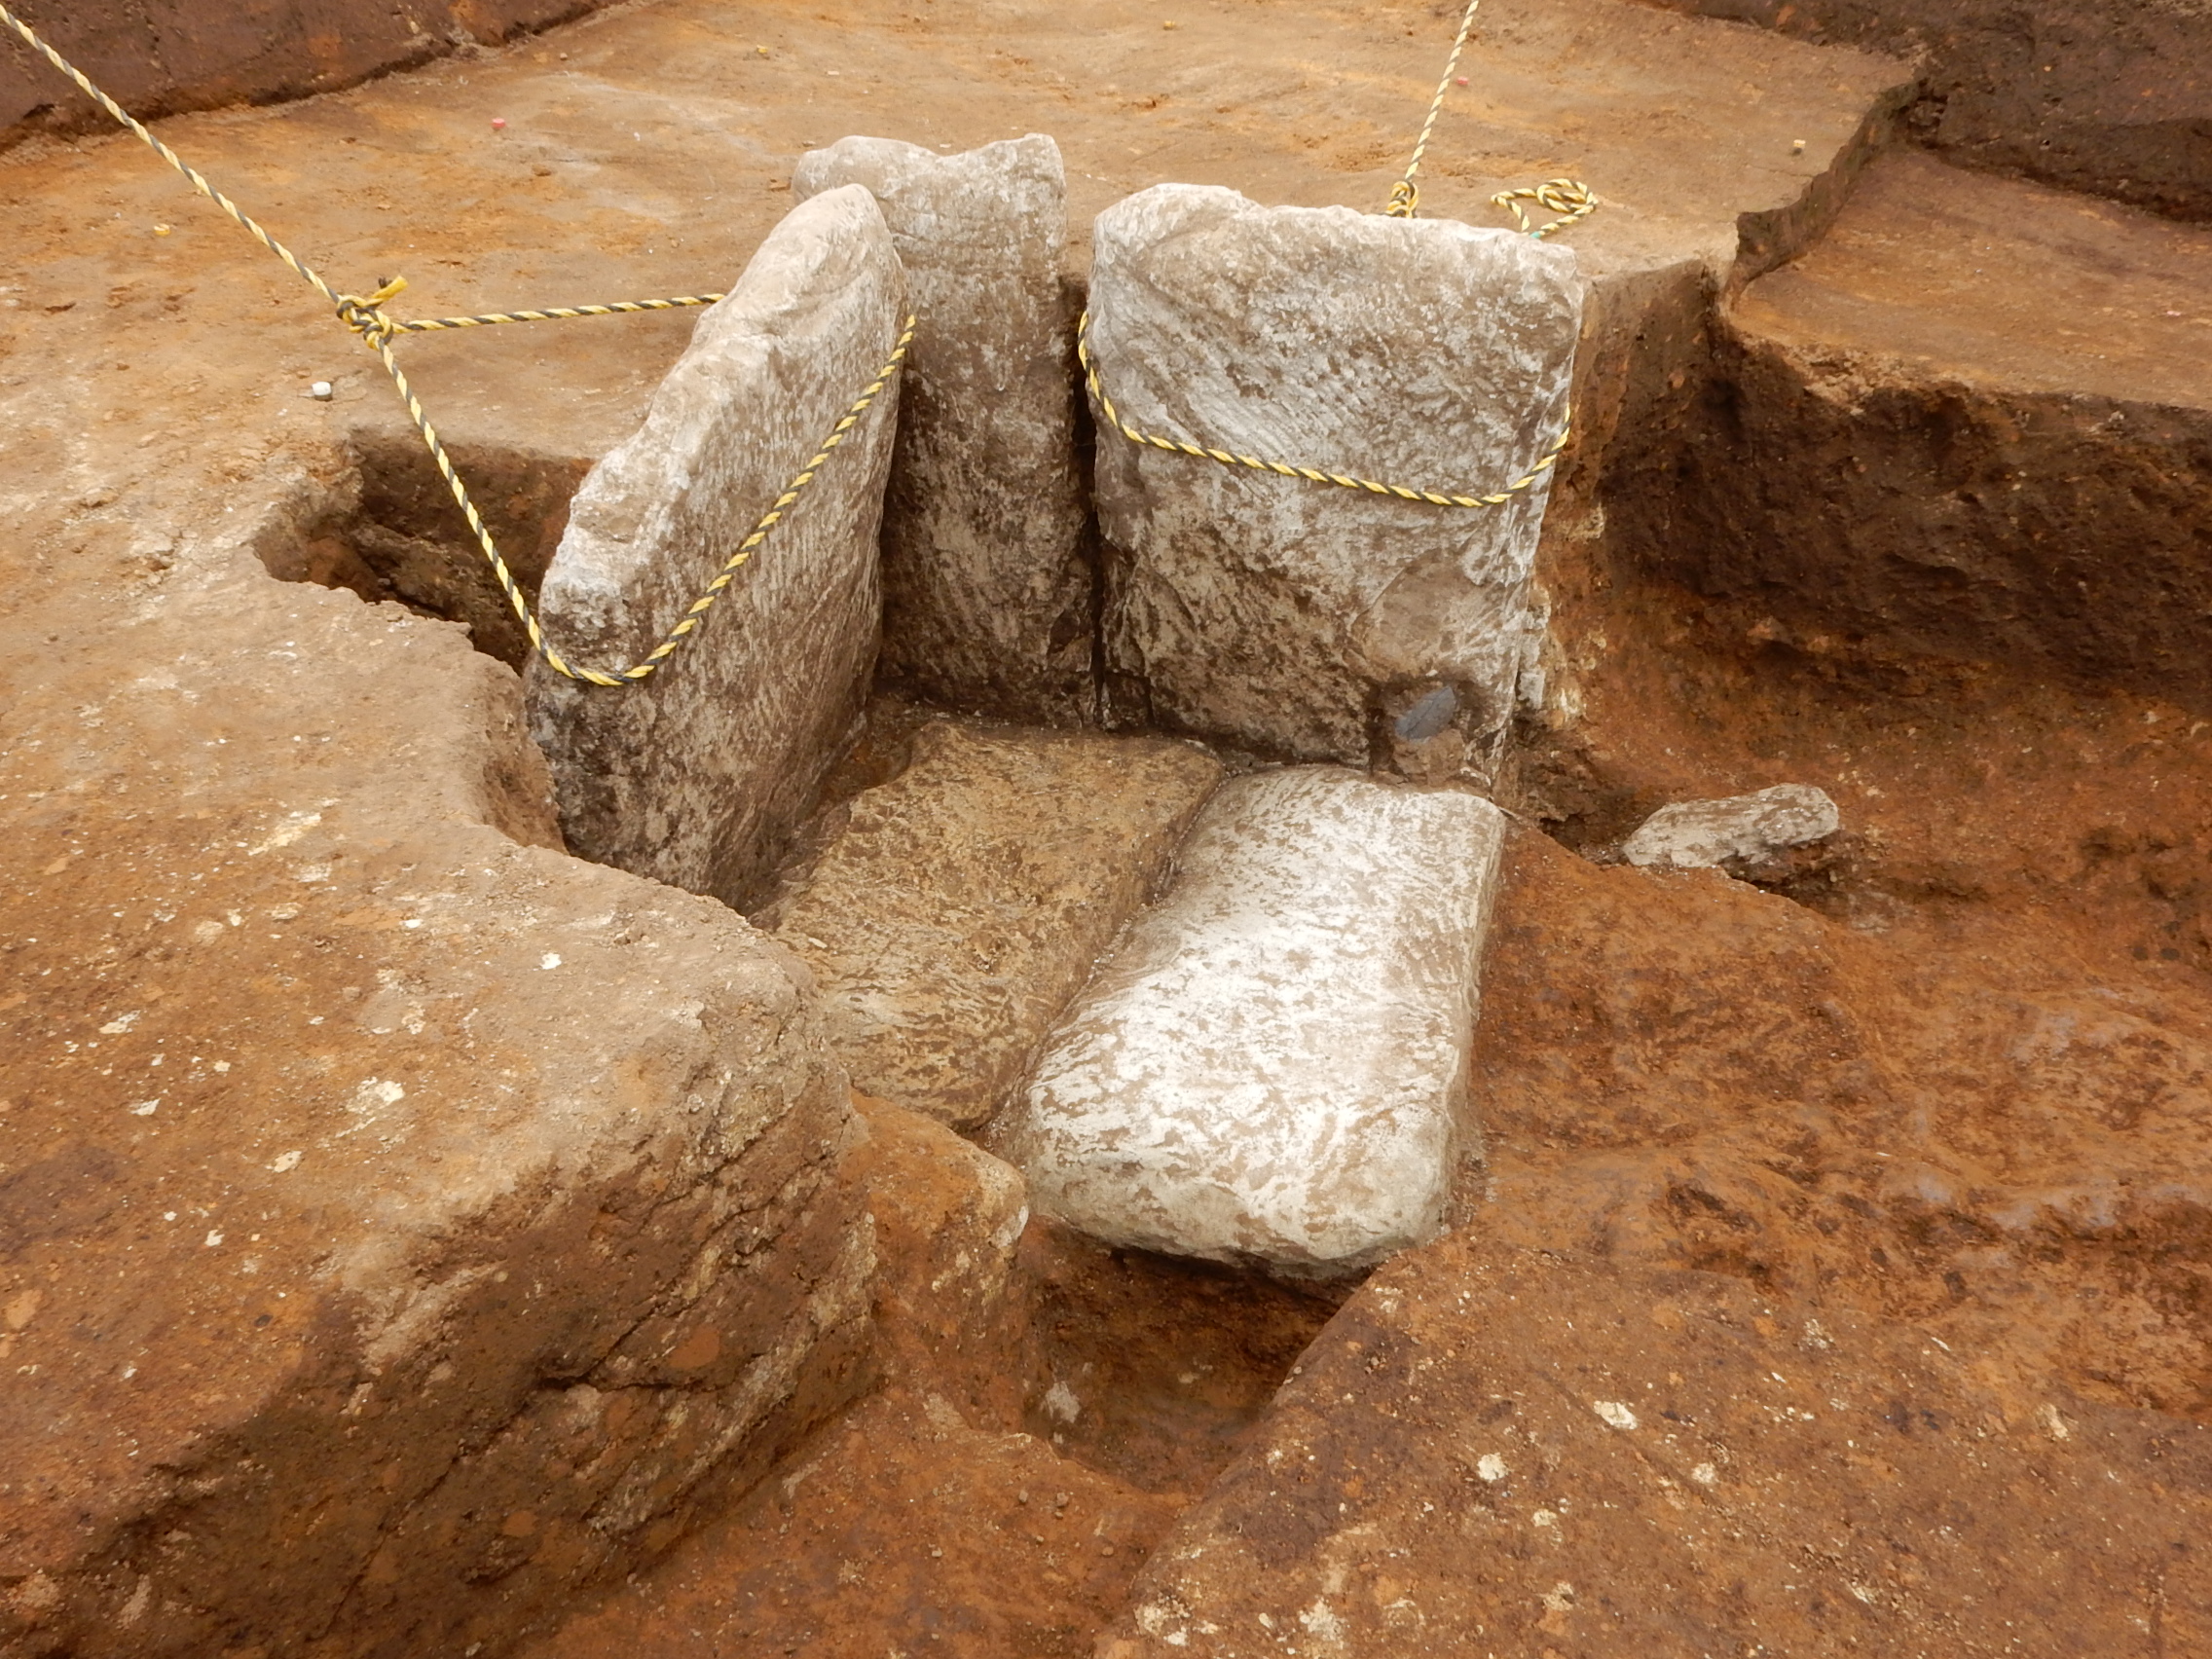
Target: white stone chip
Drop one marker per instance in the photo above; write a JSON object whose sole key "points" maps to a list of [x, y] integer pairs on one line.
{"points": [[1271, 1067]]}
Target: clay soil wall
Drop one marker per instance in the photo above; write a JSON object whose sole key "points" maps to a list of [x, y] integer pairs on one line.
{"points": [[162, 56], [2112, 96]]}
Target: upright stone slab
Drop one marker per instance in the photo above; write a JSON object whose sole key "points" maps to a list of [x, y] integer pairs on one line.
{"points": [[987, 571], [697, 776], [1303, 619], [1271, 1067]]}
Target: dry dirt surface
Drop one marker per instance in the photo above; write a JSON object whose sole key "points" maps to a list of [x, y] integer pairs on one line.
{"points": [[1922, 1130]]}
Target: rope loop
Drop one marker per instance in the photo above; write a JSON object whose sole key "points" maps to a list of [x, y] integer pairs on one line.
{"points": [[365, 316], [1570, 198]]}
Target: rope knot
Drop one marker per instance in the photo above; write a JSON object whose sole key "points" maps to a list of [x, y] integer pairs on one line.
{"points": [[1405, 201], [365, 315]]}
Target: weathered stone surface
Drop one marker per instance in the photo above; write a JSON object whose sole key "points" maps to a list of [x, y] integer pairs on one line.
{"points": [[1270, 1068], [1740, 832], [697, 776], [987, 571], [966, 901], [403, 1226], [1512, 1453], [1300, 620]]}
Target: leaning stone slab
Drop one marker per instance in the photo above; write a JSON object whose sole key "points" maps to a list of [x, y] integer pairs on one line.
{"points": [[1737, 834], [967, 900], [697, 776], [1302, 619], [987, 574], [1271, 1067]]}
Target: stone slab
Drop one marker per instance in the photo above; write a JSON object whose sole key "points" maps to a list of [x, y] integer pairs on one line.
{"points": [[1298, 619], [698, 776], [987, 570], [966, 901], [1272, 1066]]}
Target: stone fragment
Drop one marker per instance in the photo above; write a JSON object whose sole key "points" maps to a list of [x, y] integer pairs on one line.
{"points": [[987, 572], [1272, 1066], [966, 899], [1302, 619], [698, 776], [1738, 834]]}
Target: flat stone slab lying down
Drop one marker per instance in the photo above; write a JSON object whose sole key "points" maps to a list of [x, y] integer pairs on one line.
{"points": [[1299, 619], [697, 776], [1271, 1067]]}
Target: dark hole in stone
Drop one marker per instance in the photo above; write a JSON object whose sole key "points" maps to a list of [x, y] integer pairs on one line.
{"points": [[1428, 716], [407, 542]]}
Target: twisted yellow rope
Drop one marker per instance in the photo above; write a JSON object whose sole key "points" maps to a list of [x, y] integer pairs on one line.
{"points": [[1292, 469], [1405, 194], [364, 314]]}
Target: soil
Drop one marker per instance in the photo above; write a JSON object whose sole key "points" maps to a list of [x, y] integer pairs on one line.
{"points": [[1942, 1090]]}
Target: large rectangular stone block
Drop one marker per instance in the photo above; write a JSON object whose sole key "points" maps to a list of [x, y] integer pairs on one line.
{"points": [[1304, 620], [698, 775], [1272, 1066], [987, 568]]}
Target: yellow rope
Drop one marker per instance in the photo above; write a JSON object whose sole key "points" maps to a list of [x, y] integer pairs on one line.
{"points": [[1291, 469], [1568, 198], [1405, 194], [364, 315]]}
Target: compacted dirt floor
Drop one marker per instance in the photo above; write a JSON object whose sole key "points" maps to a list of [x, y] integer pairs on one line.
{"points": [[1926, 1127]]}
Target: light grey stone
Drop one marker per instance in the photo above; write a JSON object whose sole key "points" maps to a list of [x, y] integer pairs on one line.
{"points": [[1270, 1068], [988, 576], [1738, 833], [1302, 619], [966, 899], [698, 776]]}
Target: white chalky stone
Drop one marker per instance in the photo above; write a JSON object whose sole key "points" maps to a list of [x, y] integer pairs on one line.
{"points": [[697, 776], [1271, 1067], [1302, 619], [1735, 831]]}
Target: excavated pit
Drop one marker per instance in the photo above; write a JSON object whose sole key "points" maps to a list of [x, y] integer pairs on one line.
{"points": [[1945, 1079], [405, 540]]}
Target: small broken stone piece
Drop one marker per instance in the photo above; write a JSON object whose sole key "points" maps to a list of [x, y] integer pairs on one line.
{"points": [[1738, 834], [1271, 1069]]}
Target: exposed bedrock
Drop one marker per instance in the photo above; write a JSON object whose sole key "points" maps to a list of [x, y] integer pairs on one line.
{"points": [[403, 1226], [1270, 1068], [698, 776], [1973, 425], [1300, 619], [966, 901], [988, 575]]}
